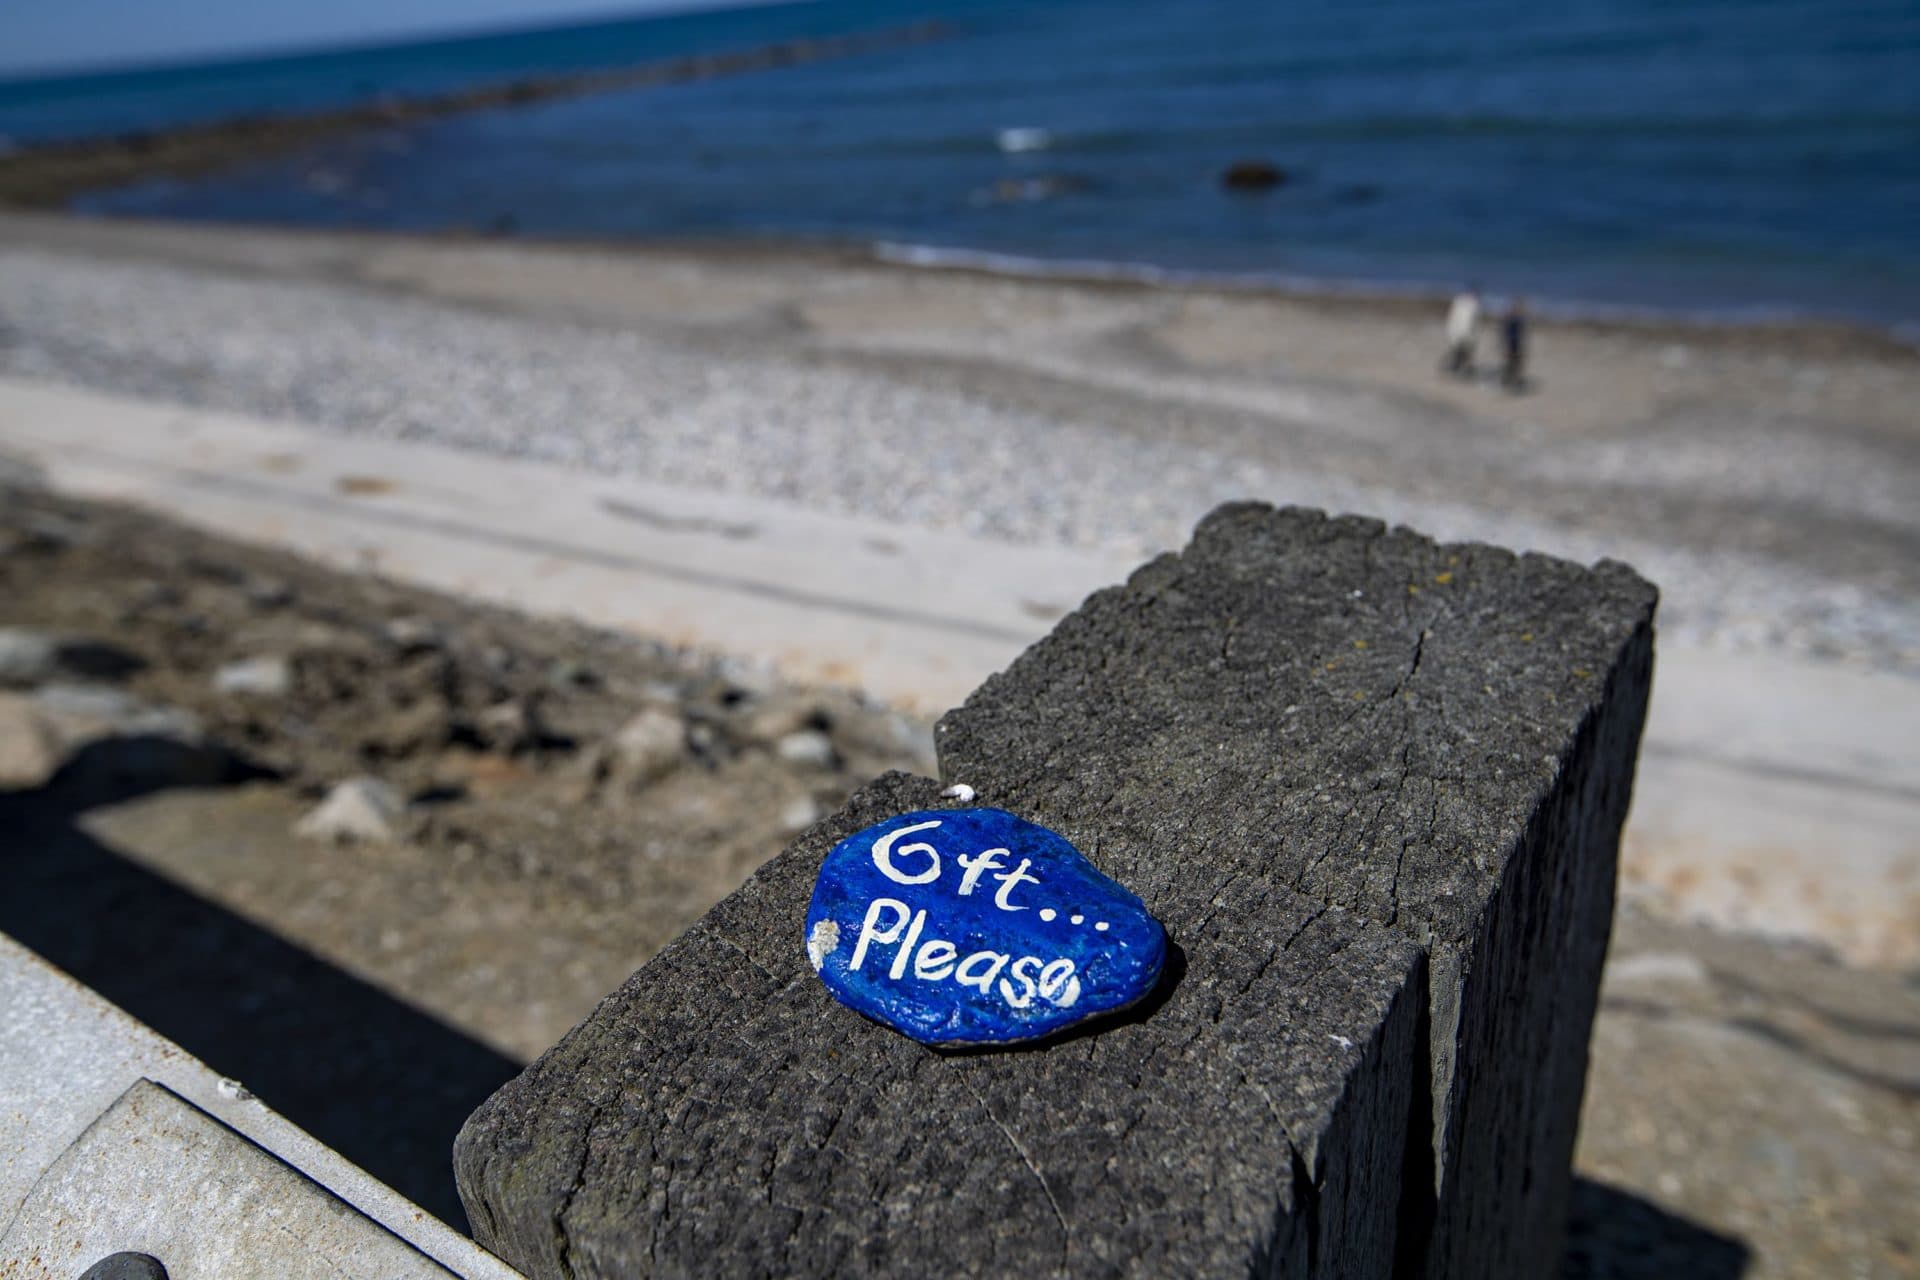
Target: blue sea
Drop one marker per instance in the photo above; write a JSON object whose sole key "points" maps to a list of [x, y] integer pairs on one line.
{"points": [[1734, 158]]}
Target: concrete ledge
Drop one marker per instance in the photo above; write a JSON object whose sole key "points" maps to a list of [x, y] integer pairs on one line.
{"points": [[154, 1174], [1438, 739], [68, 1057]]}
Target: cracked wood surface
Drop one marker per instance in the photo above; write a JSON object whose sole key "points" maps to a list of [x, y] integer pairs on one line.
{"points": [[1438, 739], [1372, 786]]}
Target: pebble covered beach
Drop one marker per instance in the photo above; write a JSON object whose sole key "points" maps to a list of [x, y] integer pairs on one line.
{"points": [[1765, 479]]}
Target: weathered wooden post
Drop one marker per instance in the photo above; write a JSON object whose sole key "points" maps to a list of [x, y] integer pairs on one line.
{"points": [[1373, 787]]}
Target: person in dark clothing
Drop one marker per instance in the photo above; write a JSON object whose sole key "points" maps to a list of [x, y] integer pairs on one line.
{"points": [[1513, 344]]}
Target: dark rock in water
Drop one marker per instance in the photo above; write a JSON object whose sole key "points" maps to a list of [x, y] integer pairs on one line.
{"points": [[1356, 193], [1253, 175], [973, 926]]}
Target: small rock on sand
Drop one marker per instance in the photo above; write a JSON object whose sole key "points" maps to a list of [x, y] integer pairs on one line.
{"points": [[424, 725], [267, 676], [121, 739], [30, 656], [808, 747], [412, 635], [800, 813], [649, 746], [363, 808], [771, 717], [509, 727], [29, 750], [27, 656]]}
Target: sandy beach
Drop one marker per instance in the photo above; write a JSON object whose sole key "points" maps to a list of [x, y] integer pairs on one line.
{"points": [[1767, 478], [556, 838], [1046, 435]]}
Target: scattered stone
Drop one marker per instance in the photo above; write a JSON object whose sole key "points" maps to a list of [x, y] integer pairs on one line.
{"points": [[27, 656], [89, 710], [648, 747], [266, 676], [1041, 939], [30, 656], [801, 813], [266, 594], [567, 675], [664, 693], [755, 679], [155, 594], [47, 531], [362, 808], [808, 747], [1253, 175], [412, 635], [509, 727], [772, 717], [29, 750], [705, 741], [112, 738], [420, 726]]}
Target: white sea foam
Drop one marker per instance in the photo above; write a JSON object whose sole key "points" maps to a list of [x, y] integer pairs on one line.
{"points": [[1024, 138]]}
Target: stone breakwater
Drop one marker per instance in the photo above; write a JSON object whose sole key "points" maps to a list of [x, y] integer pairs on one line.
{"points": [[47, 175]]}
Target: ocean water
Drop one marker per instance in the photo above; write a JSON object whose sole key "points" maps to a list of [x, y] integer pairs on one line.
{"points": [[1731, 157]]}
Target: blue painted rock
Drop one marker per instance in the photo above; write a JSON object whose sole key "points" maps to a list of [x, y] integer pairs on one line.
{"points": [[972, 927]]}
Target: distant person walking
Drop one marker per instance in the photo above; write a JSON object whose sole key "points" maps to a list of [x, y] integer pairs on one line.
{"points": [[1463, 324], [1513, 346]]}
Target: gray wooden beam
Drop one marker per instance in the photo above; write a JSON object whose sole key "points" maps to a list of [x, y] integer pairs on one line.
{"points": [[1373, 787]]}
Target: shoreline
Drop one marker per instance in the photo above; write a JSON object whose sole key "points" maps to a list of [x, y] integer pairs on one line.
{"points": [[1383, 294], [1800, 334]]}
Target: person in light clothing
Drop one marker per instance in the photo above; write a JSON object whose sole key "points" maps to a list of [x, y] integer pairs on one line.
{"points": [[1463, 323]]}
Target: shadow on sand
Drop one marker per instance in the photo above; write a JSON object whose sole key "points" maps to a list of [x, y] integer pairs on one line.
{"points": [[387, 1085], [379, 1081], [1616, 1235]]}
